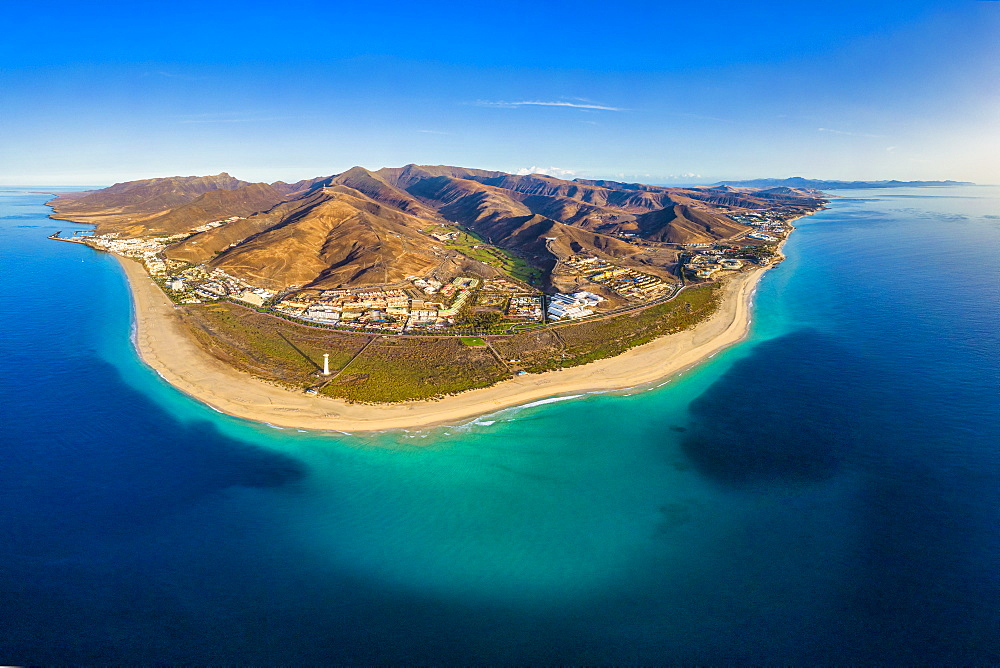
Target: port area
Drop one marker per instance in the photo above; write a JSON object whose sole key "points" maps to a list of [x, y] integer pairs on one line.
{"points": [[78, 238]]}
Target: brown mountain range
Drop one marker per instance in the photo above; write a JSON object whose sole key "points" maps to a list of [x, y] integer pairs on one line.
{"points": [[365, 227]]}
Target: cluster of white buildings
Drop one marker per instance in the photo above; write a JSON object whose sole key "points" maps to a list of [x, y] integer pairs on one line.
{"points": [[705, 266], [525, 307], [445, 236], [254, 296], [765, 222], [398, 310], [392, 310], [501, 285], [215, 223], [199, 283], [626, 281], [756, 218], [149, 251], [569, 306], [459, 284], [428, 285]]}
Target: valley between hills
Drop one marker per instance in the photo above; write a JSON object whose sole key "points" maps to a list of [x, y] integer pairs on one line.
{"points": [[414, 283]]}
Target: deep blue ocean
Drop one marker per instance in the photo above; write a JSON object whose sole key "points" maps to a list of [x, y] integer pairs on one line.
{"points": [[826, 492]]}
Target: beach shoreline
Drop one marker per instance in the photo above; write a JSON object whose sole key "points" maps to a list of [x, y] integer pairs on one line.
{"points": [[164, 345]]}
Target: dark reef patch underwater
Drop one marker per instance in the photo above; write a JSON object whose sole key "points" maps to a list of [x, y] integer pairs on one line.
{"points": [[756, 426]]}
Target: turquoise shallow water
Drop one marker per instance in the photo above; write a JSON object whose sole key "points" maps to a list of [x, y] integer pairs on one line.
{"points": [[826, 491]]}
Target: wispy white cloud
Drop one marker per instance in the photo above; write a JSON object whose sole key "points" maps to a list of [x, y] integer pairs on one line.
{"points": [[541, 103], [849, 134], [433, 132], [548, 171]]}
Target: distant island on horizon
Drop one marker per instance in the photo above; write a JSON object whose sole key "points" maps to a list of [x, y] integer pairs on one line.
{"points": [[403, 285], [821, 184]]}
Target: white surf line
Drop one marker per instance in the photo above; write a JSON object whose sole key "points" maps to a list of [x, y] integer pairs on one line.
{"points": [[550, 400]]}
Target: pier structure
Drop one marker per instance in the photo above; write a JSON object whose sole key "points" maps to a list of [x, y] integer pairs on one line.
{"points": [[55, 236]]}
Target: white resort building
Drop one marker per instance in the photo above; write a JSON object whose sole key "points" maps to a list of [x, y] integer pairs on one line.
{"points": [[573, 305]]}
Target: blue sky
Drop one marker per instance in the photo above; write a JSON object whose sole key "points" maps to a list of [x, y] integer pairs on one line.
{"points": [[98, 92]]}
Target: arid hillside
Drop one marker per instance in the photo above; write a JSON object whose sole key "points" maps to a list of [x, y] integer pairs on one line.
{"points": [[365, 227], [124, 206]]}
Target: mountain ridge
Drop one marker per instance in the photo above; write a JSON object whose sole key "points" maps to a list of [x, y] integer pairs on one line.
{"points": [[366, 227]]}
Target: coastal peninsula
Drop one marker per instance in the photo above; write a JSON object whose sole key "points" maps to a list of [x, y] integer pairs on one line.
{"points": [[426, 295]]}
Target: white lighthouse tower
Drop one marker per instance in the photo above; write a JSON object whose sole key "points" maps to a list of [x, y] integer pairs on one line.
{"points": [[326, 364]]}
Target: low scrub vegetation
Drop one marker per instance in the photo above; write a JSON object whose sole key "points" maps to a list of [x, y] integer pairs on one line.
{"points": [[578, 343], [400, 369], [375, 368]]}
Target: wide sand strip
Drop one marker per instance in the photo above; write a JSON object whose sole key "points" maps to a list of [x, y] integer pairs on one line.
{"points": [[164, 344]]}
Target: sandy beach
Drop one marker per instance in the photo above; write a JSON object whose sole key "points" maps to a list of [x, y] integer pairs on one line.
{"points": [[164, 345]]}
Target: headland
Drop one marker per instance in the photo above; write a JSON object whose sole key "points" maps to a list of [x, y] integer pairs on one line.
{"points": [[417, 296]]}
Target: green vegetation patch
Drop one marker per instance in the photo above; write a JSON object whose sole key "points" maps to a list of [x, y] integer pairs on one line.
{"points": [[473, 341], [472, 245], [267, 346], [403, 369], [493, 299], [761, 251]]}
